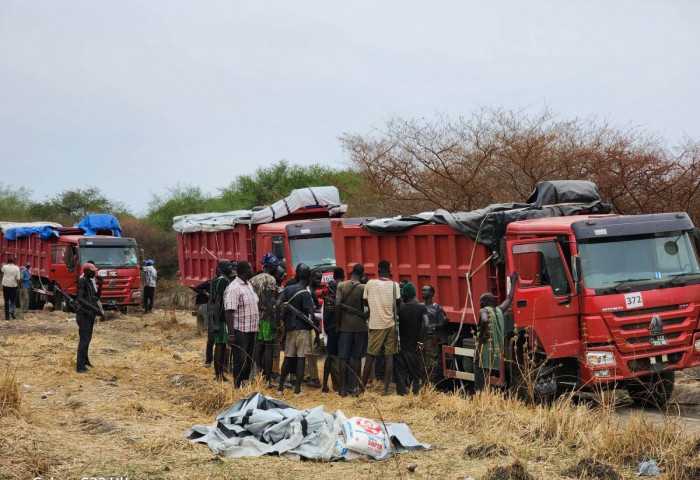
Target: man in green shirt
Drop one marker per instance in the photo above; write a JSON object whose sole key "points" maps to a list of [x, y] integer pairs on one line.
{"points": [[351, 323], [489, 344]]}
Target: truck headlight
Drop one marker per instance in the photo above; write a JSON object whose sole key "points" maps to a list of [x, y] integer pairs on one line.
{"points": [[697, 345], [598, 359], [136, 294]]}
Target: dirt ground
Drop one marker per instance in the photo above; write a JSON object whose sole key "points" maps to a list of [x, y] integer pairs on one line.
{"points": [[125, 417]]}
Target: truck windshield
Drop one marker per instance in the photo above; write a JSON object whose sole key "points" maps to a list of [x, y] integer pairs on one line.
{"points": [[110, 256], [639, 262], [314, 251]]}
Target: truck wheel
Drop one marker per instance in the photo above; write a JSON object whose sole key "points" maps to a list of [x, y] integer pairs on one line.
{"points": [[202, 315], [652, 390], [35, 301], [533, 380], [61, 305]]}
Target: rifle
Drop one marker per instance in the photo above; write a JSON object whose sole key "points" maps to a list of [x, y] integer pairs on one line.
{"points": [[299, 314]]}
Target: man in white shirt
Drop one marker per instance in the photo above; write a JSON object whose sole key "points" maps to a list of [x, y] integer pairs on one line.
{"points": [[383, 298], [10, 283], [149, 289]]}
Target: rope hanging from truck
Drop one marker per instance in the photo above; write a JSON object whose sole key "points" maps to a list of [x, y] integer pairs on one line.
{"points": [[468, 276]]}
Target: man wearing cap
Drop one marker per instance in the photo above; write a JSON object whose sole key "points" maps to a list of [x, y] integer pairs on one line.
{"points": [[413, 321], [10, 282], [265, 287], [85, 318], [149, 289], [25, 286]]}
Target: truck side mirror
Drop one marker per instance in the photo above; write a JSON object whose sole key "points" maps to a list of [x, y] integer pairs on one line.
{"points": [[576, 274]]}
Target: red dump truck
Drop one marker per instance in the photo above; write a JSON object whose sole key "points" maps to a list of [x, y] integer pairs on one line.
{"points": [[56, 254], [296, 230], [601, 300]]}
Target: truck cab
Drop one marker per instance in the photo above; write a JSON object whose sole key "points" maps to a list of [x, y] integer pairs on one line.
{"points": [[610, 299], [117, 262]]}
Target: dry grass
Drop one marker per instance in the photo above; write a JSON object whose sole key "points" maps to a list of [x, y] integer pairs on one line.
{"points": [[10, 394], [72, 425]]}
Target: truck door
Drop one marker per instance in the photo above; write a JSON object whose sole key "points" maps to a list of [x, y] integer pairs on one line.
{"points": [[63, 266], [279, 250], [543, 295]]}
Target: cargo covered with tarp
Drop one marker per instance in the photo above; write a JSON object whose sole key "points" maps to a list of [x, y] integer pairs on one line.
{"points": [[13, 230], [556, 198], [100, 221], [299, 200]]}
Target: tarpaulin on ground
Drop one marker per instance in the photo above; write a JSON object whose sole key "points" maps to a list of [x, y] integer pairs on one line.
{"points": [[550, 199], [13, 230], [260, 425], [302, 198], [100, 221]]}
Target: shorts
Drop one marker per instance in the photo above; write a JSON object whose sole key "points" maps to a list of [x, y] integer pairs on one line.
{"points": [[265, 331], [352, 344], [298, 344], [332, 345], [222, 336], [383, 337]]}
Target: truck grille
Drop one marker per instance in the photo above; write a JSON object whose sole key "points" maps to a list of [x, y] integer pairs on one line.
{"points": [[630, 328], [646, 311]]}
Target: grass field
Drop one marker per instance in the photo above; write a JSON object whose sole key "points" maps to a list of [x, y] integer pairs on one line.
{"points": [[125, 417]]}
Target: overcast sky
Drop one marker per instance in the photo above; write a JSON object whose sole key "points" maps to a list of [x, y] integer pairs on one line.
{"points": [[136, 96]]}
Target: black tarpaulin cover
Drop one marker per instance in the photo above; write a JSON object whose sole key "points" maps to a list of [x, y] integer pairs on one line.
{"points": [[555, 198]]}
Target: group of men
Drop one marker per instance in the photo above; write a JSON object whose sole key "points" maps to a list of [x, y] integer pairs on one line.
{"points": [[253, 317], [15, 281]]}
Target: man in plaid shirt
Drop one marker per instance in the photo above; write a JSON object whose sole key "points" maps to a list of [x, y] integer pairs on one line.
{"points": [[242, 318]]}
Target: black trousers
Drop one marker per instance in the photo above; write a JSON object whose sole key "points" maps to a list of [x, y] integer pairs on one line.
{"points": [[149, 294], [407, 370], [243, 352], [9, 295], [210, 345], [86, 322]]}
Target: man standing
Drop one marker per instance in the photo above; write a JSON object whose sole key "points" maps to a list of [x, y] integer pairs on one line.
{"points": [[149, 289], [413, 321], [85, 318], [489, 344], [352, 329], [298, 312], [329, 324], [25, 287], [435, 336], [242, 320], [312, 356], [265, 287], [383, 298], [217, 319], [10, 282]]}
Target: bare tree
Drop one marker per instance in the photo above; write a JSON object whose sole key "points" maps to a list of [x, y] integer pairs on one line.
{"points": [[499, 155]]}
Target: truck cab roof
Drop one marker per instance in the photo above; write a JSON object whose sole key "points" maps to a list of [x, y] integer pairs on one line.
{"points": [[595, 226]]}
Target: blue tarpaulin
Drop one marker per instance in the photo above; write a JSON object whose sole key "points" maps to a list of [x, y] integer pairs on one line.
{"points": [[45, 232], [100, 221]]}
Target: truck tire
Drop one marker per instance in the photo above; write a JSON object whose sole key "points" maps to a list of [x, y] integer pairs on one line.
{"points": [[35, 301], [652, 390], [532, 380], [202, 316], [61, 305]]}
